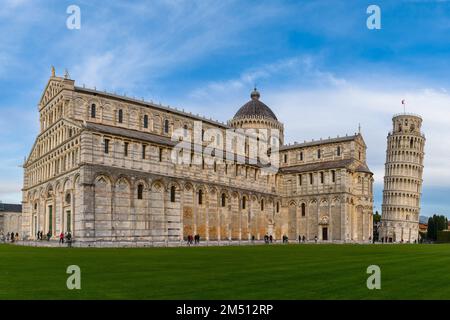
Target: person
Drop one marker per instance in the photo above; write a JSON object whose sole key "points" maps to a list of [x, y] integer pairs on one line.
{"points": [[2, 237], [69, 239], [270, 238], [299, 239], [12, 236], [49, 235], [61, 237], [17, 236], [304, 239], [8, 235], [315, 239], [253, 238]]}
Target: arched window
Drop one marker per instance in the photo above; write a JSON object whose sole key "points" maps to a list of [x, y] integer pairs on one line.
{"points": [[140, 192], [120, 115], [411, 143], [172, 194], [244, 200], [93, 110], [200, 196], [262, 204], [68, 198], [303, 209], [166, 126], [223, 200], [146, 121]]}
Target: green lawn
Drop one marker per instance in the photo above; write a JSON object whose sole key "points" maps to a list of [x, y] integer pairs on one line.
{"points": [[258, 272]]}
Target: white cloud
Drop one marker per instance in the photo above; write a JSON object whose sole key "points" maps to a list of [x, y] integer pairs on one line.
{"points": [[317, 104]]}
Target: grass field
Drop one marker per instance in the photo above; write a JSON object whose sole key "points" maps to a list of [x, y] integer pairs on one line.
{"points": [[259, 272]]}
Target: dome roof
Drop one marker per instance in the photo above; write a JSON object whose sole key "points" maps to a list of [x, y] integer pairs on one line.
{"points": [[255, 108]]}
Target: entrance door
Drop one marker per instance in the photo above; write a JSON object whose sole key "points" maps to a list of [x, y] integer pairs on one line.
{"points": [[68, 221], [325, 234], [50, 219]]}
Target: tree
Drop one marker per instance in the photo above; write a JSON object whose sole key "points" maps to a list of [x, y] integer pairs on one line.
{"points": [[376, 217], [435, 224]]}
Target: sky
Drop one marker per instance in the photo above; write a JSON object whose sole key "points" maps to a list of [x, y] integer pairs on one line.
{"points": [[316, 63]]}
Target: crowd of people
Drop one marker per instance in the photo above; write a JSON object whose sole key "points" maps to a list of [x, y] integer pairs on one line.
{"points": [[9, 237], [267, 239]]}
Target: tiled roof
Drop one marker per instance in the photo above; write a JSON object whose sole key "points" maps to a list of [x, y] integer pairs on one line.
{"points": [[319, 142], [7, 207], [326, 165], [150, 137], [255, 108]]}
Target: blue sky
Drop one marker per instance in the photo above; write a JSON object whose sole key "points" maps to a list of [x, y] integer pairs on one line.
{"points": [[316, 64]]}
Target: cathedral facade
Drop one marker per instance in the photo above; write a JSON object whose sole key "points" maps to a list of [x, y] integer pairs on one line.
{"points": [[102, 168]]}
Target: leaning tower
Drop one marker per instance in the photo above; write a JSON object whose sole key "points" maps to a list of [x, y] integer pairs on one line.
{"points": [[403, 180]]}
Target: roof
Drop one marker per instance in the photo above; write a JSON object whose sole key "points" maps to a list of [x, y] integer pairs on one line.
{"points": [[144, 136], [7, 207], [130, 133], [255, 108], [319, 142], [326, 165]]}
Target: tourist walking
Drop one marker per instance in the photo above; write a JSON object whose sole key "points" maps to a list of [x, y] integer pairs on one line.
{"points": [[61, 238]]}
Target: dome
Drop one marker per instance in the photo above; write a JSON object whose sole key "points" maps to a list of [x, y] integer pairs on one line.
{"points": [[255, 108]]}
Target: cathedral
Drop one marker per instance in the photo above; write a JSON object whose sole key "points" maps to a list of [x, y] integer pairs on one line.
{"points": [[102, 168]]}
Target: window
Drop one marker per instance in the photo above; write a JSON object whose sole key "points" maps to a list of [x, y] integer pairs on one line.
{"points": [[166, 126], [411, 143], [172, 194], [311, 178], [120, 116], [244, 200], [338, 151], [146, 121], [106, 145], [125, 149], [299, 179], [359, 155], [303, 209], [93, 110], [68, 198], [333, 176], [223, 200], [278, 207], [321, 177], [215, 167], [319, 153], [285, 158], [160, 154], [262, 204], [301, 156], [140, 192], [143, 151], [200, 196]]}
